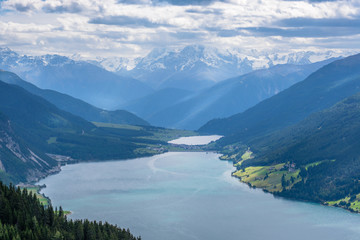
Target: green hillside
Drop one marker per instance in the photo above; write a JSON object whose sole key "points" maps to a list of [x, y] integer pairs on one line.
{"points": [[320, 90], [31, 128], [20, 161], [318, 157]]}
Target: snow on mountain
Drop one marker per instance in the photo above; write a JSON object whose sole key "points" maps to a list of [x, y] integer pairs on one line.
{"points": [[116, 64], [203, 66], [79, 79], [191, 68], [13, 59]]}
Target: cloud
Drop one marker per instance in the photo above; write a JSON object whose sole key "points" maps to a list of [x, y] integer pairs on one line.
{"points": [[127, 21], [204, 11], [309, 32], [171, 2], [314, 1], [188, 2], [324, 22], [188, 35], [73, 7], [23, 7], [112, 26], [301, 27], [134, 1]]}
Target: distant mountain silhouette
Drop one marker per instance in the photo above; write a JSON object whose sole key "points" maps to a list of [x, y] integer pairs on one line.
{"points": [[224, 98], [73, 105]]}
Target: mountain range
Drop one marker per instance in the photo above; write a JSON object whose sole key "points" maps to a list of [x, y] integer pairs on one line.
{"points": [[325, 147], [298, 124], [116, 83], [322, 89], [188, 110], [36, 137], [303, 142], [196, 67], [73, 105], [79, 79], [27, 122], [331, 137]]}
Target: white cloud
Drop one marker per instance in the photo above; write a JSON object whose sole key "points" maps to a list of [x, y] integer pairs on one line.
{"points": [[68, 26]]}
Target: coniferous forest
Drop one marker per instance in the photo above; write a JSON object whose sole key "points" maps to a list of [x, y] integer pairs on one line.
{"points": [[24, 217]]}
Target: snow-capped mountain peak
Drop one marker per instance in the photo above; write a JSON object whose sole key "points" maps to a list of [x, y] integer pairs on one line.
{"points": [[172, 67]]}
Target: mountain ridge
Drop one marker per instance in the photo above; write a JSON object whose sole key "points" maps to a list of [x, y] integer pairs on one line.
{"points": [[73, 105], [204, 65], [319, 155], [323, 88], [79, 79], [230, 96]]}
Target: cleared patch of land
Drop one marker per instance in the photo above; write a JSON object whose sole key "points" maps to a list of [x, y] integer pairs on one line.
{"points": [[35, 190], [350, 203], [270, 178], [274, 178]]}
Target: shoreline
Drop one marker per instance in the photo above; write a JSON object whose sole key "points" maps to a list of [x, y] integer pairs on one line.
{"points": [[276, 194], [57, 169], [65, 160]]}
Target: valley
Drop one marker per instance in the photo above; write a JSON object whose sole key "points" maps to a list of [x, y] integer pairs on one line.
{"points": [[284, 158], [168, 195], [174, 119], [315, 157]]}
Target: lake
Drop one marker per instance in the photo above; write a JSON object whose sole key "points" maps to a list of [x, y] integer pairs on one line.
{"points": [[196, 140], [190, 196]]}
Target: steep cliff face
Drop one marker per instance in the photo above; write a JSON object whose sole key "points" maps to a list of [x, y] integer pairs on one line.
{"points": [[18, 161]]}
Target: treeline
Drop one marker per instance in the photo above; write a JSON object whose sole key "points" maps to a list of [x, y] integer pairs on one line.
{"points": [[23, 217], [329, 181]]}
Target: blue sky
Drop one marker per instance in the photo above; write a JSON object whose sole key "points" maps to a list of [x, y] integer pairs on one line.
{"points": [[132, 28]]}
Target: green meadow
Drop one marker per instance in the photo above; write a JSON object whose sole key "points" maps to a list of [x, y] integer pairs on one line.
{"points": [[35, 191]]}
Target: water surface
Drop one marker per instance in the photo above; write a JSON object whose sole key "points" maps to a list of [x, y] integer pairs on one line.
{"points": [[190, 196], [196, 140]]}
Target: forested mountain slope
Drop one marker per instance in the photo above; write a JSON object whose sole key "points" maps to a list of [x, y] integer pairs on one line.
{"points": [[320, 90], [23, 217], [20, 161], [319, 158], [31, 127]]}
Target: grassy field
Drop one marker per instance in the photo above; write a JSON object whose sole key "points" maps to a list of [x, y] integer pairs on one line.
{"points": [[318, 163], [35, 190], [272, 178], [51, 140], [119, 126], [42, 199], [268, 178], [349, 203]]}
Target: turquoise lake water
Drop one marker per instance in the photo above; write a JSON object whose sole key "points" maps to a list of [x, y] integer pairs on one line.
{"points": [[190, 196], [196, 140]]}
